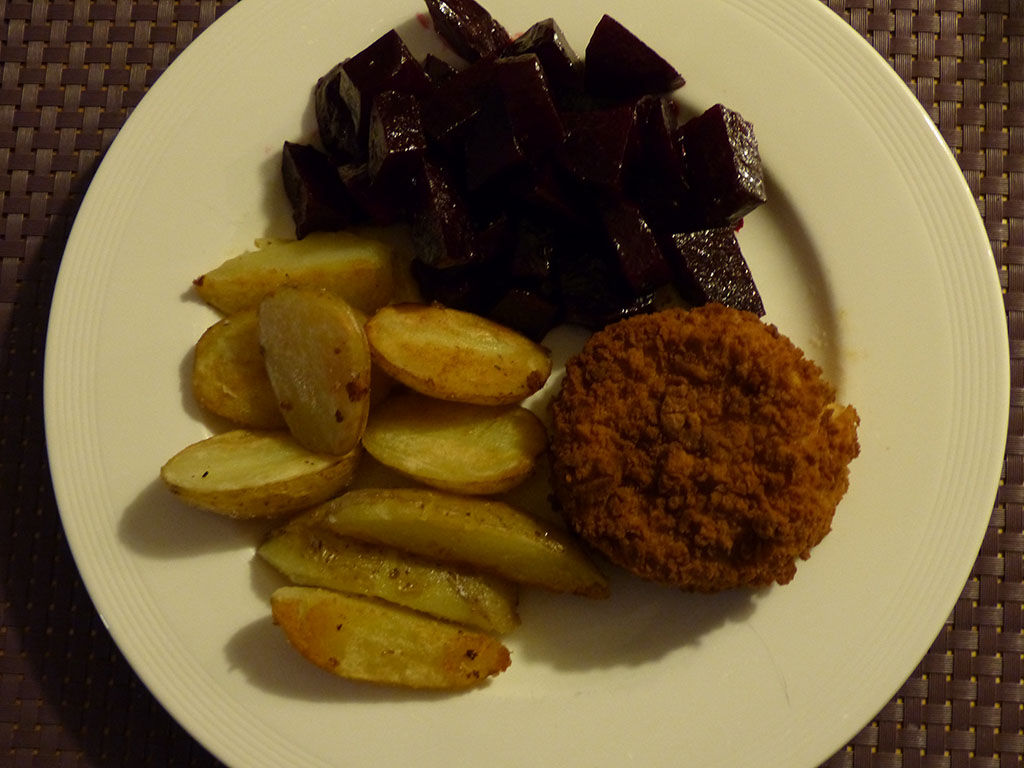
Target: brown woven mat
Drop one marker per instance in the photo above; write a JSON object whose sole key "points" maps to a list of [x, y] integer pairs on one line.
{"points": [[71, 72]]}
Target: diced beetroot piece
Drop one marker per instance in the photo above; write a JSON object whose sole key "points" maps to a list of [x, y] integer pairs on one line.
{"points": [[441, 224], [543, 193], [591, 290], [618, 64], [655, 156], [320, 202], [471, 287], [396, 143], [492, 156], [449, 111], [561, 64], [333, 119], [437, 69], [533, 256], [723, 164], [710, 268], [372, 203], [384, 65], [596, 145], [468, 28], [635, 249], [526, 311], [529, 104]]}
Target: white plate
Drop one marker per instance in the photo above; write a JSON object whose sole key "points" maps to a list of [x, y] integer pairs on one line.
{"points": [[870, 254]]}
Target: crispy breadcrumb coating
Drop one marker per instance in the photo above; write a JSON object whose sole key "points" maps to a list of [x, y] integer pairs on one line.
{"points": [[700, 448]]}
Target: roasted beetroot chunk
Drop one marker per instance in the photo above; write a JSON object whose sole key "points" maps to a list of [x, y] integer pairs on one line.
{"points": [[526, 311], [384, 65], [529, 104], [437, 69], [711, 268], [635, 249], [397, 144], [562, 67], [442, 228], [723, 165], [468, 28], [621, 65], [372, 204], [596, 146], [319, 200], [334, 120]]}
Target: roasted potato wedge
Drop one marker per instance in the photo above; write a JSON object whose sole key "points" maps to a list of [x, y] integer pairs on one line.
{"points": [[365, 639], [310, 555], [454, 355], [481, 533], [475, 449], [245, 473], [358, 269], [229, 378], [318, 363]]}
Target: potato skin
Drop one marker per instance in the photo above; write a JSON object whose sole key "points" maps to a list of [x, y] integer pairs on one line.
{"points": [[453, 355], [461, 447], [229, 378], [370, 640], [253, 474]]}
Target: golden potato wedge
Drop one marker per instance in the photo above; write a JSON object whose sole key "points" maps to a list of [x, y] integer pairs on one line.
{"points": [[310, 555], [358, 269], [245, 473], [475, 449], [229, 378], [318, 363], [481, 533], [454, 355], [365, 639]]}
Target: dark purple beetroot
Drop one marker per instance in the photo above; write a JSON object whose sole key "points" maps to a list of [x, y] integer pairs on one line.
{"points": [[471, 287], [468, 28], [384, 65], [441, 225], [372, 203], [618, 64], [396, 142], [723, 165], [655, 156], [437, 69], [710, 268], [492, 158], [334, 120], [449, 111], [591, 289], [635, 249], [319, 200], [526, 311], [529, 104], [596, 145], [562, 67]]}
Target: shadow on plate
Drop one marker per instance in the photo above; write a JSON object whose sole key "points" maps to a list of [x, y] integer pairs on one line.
{"points": [[159, 525], [639, 623]]}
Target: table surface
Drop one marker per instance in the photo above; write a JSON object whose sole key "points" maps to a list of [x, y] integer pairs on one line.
{"points": [[70, 73]]}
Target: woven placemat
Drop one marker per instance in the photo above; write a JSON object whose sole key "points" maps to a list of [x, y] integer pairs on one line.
{"points": [[70, 73]]}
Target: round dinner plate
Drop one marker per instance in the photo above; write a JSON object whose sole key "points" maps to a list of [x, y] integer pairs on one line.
{"points": [[870, 254]]}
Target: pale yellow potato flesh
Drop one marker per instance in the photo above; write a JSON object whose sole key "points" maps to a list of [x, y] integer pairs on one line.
{"points": [[365, 639], [454, 355], [481, 533], [474, 449], [248, 474], [318, 363], [360, 270], [229, 378], [311, 555]]}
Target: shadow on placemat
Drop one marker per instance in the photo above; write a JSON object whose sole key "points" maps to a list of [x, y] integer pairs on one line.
{"points": [[67, 689]]}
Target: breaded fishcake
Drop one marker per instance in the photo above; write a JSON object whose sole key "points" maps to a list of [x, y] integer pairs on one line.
{"points": [[700, 448]]}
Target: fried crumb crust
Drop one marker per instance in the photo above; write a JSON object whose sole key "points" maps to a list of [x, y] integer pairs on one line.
{"points": [[700, 448]]}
